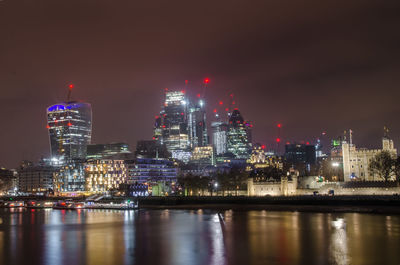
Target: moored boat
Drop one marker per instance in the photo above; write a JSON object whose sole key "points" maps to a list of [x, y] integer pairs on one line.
{"points": [[39, 204], [69, 205], [14, 204]]}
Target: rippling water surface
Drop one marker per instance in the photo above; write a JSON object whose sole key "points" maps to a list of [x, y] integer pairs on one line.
{"points": [[196, 237]]}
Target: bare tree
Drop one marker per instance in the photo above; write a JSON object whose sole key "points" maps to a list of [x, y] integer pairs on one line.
{"points": [[382, 165]]}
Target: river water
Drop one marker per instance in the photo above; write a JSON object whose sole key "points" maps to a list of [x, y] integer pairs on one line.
{"points": [[196, 237]]}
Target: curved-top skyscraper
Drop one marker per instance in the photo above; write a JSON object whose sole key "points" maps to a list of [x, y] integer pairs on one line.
{"points": [[70, 129], [239, 136]]}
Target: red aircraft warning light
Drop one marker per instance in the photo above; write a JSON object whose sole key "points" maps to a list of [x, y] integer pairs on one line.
{"points": [[206, 80], [278, 140], [71, 86], [263, 147], [220, 103], [279, 125], [215, 110]]}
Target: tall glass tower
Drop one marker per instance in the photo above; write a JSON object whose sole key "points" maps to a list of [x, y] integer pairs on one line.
{"points": [[219, 132], [175, 134], [70, 129], [197, 124], [239, 136]]}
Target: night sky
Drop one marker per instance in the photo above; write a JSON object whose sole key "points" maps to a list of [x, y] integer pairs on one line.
{"points": [[313, 66]]}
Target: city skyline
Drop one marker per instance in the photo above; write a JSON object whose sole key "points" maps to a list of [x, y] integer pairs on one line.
{"points": [[210, 112], [270, 60], [199, 132]]}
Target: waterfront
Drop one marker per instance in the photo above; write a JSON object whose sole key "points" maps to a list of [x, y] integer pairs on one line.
{"points": [[196, 237]]}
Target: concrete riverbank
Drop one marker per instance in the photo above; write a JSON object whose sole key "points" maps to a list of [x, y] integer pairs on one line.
{"points": [[362, 204]]}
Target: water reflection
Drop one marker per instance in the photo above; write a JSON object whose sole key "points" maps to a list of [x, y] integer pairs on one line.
{"points": [[339, 249], [196, 237], [217, 241]]}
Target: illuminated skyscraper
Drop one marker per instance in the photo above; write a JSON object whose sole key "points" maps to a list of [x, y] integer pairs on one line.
{"points": [[70, 129], [175, 135], [181, 125], [197, 124], [239, 136], [219, 136]]}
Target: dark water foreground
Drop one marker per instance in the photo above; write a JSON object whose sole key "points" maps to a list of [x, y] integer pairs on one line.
{"points": [[196, 237]]}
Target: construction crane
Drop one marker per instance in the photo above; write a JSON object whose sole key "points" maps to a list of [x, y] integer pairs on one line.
{"points": [[70, 87]]}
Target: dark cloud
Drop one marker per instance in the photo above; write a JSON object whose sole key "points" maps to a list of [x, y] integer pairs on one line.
{"points": [[311, 65]]}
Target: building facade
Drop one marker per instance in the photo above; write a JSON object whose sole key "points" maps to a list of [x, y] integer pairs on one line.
{"points": [[239, 136], [356, 160], [36, 179], [70, 178], [203, 156], [104, 175], [151, 170], [197, 124], [219, 136], [99, 151], [70, 129], [287, 186], [151, 149], [259, 159], [8, 180], [175, 134]]}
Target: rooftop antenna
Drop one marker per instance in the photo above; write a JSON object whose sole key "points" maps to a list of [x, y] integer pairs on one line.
{"points": [[232, 103], [278, 138], [70, 87], [205, 82]]}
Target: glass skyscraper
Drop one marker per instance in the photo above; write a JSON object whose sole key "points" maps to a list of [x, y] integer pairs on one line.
{"points": [[70, 130], [175, 133], [239, 136], [181, 125], [197, 124], [219, 133]]}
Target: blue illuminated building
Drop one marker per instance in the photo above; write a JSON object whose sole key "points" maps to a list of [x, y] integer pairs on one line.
{"points": [[70, 129], [152, 170]]}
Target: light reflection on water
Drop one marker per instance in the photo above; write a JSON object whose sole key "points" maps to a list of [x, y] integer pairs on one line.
{"points": [[339, 249], [196, 237]]}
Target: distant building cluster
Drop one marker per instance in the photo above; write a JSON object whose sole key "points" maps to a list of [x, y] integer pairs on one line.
{"points": [[182, 151]]}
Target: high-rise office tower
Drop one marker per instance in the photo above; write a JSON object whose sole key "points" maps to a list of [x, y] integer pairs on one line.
{"points": [[175, 133], [70, 129], [239, 132], [197, 124], [219, 136]]}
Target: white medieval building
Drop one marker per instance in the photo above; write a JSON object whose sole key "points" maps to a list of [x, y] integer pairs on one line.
{"points": [[284, 187], [356, 160]]}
